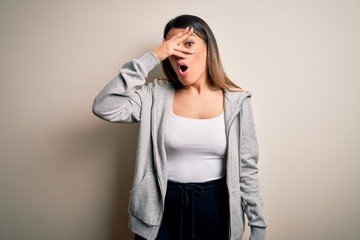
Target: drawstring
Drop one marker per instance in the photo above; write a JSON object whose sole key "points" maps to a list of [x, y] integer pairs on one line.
{"points": [[187, 194]]}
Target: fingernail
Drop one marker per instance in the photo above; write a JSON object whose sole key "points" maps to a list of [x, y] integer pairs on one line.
{"points": [[187, 28]]}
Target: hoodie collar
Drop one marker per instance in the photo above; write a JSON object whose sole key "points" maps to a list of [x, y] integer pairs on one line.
{"points": [[236, 97], [232, 105]]}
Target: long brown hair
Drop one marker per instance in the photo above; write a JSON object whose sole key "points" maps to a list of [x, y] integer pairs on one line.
{"points": [[215, 69]]}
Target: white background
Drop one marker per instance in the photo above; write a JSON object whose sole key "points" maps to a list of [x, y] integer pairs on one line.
{"points": [[65, 175]]}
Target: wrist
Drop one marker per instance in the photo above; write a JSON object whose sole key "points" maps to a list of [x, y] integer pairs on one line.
{"points": [[157, 54]]}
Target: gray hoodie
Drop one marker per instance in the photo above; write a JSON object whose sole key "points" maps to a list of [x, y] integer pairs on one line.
{"points": [[128, 99]]}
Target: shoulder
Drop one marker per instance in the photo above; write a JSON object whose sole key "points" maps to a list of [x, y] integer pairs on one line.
{"points": [[158, 87], [237, 97], [162, 85]]}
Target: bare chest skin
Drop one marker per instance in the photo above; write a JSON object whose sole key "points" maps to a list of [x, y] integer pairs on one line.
{"points": [[208, 104]]}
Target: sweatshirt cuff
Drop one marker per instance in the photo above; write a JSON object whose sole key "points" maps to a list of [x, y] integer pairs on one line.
{"points": [[257, 233], [149, 60]]}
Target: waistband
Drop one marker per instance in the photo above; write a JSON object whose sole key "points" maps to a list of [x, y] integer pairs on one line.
{"points": [[176, 186]]}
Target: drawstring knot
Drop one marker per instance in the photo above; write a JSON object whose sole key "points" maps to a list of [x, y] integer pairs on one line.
{"points": [[187, 191]]}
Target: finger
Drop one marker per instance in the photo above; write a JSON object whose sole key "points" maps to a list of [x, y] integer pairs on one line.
{"points": [[185, 34], [182, 53], [181, 35], [184, 50], [184, 31]]}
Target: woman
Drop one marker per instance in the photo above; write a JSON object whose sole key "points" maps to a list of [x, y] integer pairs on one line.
{"points": [[196, 168]]}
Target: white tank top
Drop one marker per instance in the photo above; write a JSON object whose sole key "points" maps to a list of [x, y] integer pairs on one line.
{"points": [[195, 148]]}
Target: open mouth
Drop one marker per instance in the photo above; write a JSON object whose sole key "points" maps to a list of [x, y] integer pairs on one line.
{"points": [[183, 68]]}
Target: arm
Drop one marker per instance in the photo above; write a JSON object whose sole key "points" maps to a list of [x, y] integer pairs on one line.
{"points": [[249, 182], [121, 98]]}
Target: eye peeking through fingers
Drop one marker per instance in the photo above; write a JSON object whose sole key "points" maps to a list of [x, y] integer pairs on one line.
{"points": [[189, 44]]}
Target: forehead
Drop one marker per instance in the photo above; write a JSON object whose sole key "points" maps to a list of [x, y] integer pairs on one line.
{"points": [[175, 31]]}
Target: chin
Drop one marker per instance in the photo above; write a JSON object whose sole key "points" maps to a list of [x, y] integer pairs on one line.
{"points": [[185, 82], [185, 79]]}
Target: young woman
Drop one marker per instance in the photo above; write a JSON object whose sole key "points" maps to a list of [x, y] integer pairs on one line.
{"points": [[196, 168]]}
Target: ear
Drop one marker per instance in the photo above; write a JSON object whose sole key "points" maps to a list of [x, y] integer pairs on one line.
{"points": [[163, 40]]}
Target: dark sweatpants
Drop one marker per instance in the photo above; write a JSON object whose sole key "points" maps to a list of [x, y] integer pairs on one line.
{"points": [[195, 211]]}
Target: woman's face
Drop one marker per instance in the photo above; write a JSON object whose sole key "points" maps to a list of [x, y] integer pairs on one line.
{"points": [[192, 69]]}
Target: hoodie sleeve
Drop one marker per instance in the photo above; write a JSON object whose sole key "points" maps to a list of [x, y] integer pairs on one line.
{"points": [[249, 182], [121, 99]]}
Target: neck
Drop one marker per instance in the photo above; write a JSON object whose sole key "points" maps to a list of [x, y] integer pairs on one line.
{"points": [[200, 87]]}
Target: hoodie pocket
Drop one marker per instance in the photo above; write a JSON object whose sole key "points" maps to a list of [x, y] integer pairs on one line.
{"points": [[145, 200]]}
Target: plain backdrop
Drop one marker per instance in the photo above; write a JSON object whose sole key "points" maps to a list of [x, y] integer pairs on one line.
{"points": [[65, 174]]}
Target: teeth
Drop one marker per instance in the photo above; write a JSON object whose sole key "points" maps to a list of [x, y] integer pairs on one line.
{"points": [[183, 68]]}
